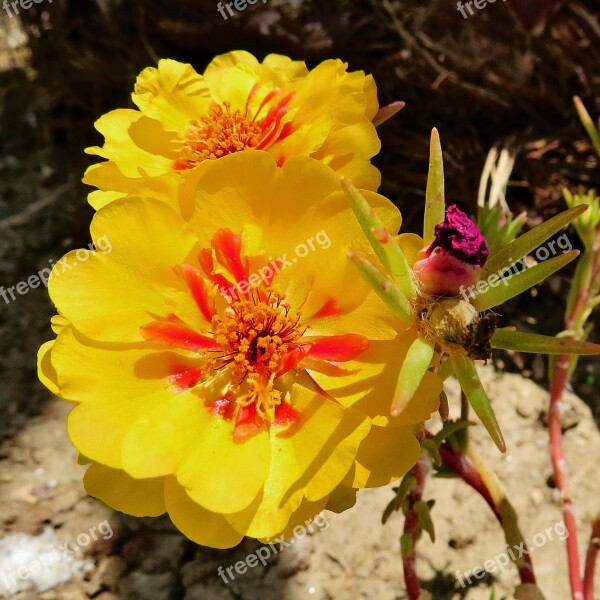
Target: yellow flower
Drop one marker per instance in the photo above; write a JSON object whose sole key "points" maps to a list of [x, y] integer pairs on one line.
{"points": [[232, 370], [279, 106]]}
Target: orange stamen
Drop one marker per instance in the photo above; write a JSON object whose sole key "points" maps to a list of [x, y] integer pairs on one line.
{"points": [[222, 131]]}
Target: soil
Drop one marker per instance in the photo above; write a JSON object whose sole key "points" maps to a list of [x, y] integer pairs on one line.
{"points": [[348, 556]]}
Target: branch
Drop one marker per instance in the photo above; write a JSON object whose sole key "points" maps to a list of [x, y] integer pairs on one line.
{"points": [[481, 480], [412, 529], [590, 561]]}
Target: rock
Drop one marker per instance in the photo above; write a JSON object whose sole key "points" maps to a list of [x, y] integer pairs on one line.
{"points": [[142, 586], [109, 572]]}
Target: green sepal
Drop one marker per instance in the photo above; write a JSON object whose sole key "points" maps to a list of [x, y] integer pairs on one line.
{"points": [[509, 339], [384, 246], [413, 369], [384, 288], [435, 205], [477, 397], [521, 281]]}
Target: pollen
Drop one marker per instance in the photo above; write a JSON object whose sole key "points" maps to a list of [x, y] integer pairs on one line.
{"points": [[224, 131], [255, 335]]}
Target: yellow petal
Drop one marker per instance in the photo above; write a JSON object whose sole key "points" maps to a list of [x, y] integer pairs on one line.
{"points": [[198, 524], [223, 475], [307, 461], [137, 497], [135, 143], [110, 295], [173, 93], [385, 455], [46, 372]]}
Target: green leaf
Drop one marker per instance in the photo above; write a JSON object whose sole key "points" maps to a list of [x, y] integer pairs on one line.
{"points": [[508, 339], [587, 123], [444, 472], [477, 397], [384, 246], [520, 282], [425, 521], [529, 241], [413, 369], [449, 429], [407, 485], [389, 510], [435, 206], [385, 289], [431, 448]]}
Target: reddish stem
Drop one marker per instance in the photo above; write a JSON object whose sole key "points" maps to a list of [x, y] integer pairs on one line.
{"points": [[561, 476], [465, 469], [411, 527], [560, 379], [590, 561]]}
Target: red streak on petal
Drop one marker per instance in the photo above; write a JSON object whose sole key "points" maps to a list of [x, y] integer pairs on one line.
{"points": [[183, 377], [205, 259], [286, 415], [228, 249], [223, 407], [339, 348], [287, 130], [176, 335], [251, 95], [181, 165], [292, 359], [330, 309], [247, 423], [199, 289], [266, 99], [281, 161]]}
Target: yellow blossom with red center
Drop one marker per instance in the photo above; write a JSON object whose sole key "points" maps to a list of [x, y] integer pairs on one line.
{"points": [[232, 369], [185, 119]]}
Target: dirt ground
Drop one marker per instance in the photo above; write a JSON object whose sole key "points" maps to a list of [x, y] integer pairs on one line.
{"points": [[348, 557]]}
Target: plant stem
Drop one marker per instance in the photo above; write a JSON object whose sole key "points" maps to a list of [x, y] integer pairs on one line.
{"points": [[560, 378], [559, 381], [462, 465], [590, 561], [411, 528]]}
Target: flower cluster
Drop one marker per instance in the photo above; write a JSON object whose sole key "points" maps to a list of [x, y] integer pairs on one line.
{"points": [[247, 415]]}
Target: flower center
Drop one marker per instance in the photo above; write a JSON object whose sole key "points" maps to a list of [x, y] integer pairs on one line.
{"points": [[255, 335], [249, 354], [224, 131]]}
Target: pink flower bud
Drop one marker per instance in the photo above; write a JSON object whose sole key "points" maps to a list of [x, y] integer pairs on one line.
{"points": [[453, 261]]}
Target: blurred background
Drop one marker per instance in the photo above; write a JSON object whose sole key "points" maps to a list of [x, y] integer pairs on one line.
{"points": [[501, 80]]}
